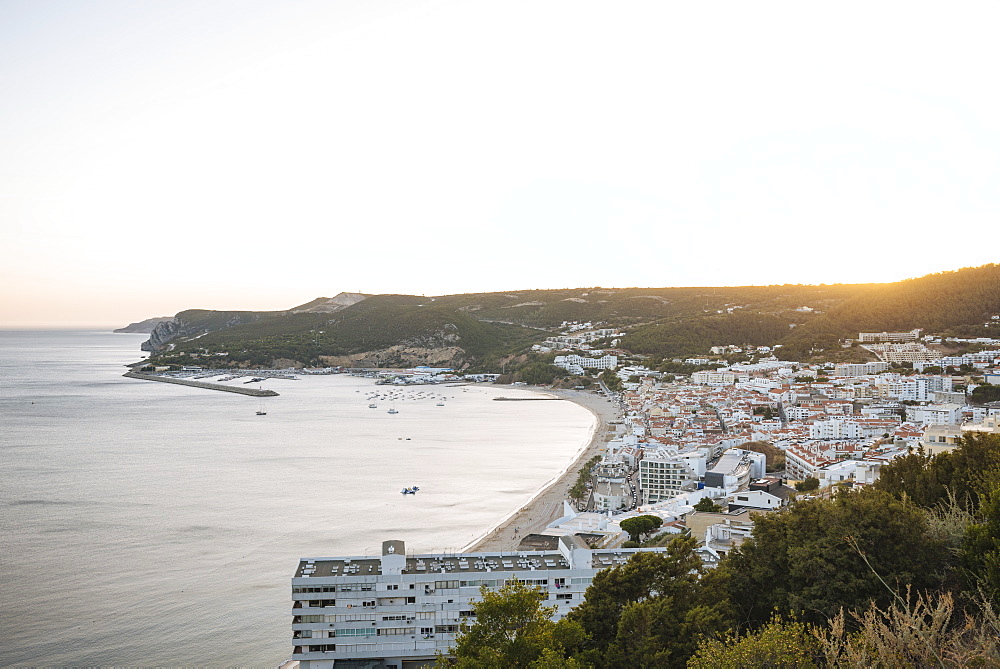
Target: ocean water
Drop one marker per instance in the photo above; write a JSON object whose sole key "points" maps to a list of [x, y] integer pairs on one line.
{"points": [[153, 524]]}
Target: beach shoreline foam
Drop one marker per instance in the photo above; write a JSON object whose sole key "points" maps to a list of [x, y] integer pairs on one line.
{"points": [[546, 504]]}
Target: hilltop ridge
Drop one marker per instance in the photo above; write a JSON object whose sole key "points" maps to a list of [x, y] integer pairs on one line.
{"points": [[480, 330]]}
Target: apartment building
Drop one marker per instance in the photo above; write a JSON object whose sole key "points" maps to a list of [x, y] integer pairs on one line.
{"points": [[912, 335], [398, 610], [804, 460], [663, 474], [577, 363], [859, 369]]}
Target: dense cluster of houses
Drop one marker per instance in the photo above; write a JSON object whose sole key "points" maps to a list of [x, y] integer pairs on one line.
{"points": [[686, 440]]}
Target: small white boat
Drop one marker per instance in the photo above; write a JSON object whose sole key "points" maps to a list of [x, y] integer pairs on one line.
{"points": [[373, 406], [392, 411]]}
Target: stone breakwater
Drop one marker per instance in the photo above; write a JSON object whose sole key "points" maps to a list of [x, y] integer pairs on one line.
{"points": [[253, 392], [525, 399]]}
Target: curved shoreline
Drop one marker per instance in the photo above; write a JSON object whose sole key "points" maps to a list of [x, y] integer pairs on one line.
{"points": [[546, 504]]}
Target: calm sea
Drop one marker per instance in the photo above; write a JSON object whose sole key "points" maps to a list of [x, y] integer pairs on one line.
{"points": [[153, 524]]}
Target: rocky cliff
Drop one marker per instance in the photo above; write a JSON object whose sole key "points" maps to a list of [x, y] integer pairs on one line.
{"points": [[162, 333], [144, 327]]}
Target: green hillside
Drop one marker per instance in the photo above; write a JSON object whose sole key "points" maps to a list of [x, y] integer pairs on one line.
{"points": [[377, 323], [480, 329], [958, 303]]}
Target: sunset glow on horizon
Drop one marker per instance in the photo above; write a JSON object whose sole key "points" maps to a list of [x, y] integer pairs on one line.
{"points": [[253, 156]]}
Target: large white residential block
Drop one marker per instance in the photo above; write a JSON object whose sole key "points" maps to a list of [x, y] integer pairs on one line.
{"points": [[663, 475], [399, 610]]}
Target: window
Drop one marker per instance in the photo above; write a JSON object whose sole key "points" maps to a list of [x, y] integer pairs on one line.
{"points": [[368, 603], [411, 600], [351, 617], [581, 580], [392, 586], [364, 631], [395, 631], [444, 629], [320, 603], [426, 630], [568, 595], [446, 584], [466, 614], [321, 648], [400, 617]]}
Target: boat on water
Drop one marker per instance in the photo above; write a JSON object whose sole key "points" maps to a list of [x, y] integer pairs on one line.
{"points": [[440, 404], [373, 406], [409, 491], [392, 411]]}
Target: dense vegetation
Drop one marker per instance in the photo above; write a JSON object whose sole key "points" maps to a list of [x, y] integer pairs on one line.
{"points": [[905, 573], [490, 329], [375, 324]]}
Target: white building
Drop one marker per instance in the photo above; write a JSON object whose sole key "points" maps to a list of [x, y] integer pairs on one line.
{"points": [[859, 369], [912, 335], [398, 610], [663, 475], [575, 364], [735, 469], [719, 377], [935, 414], [835, 428]]}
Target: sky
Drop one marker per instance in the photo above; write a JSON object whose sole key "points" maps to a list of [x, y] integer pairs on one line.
{"points": [[252, 154]]}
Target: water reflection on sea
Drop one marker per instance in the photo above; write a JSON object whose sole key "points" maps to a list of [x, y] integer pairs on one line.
{"points": [[155, 524]]}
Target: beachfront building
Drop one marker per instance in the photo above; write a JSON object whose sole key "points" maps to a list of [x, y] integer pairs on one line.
{"points": [[575, 364], [664, 474], [400, 610], [612, 490]]}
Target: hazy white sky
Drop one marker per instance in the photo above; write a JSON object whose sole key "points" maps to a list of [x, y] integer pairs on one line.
{"points": [[158, 156]]}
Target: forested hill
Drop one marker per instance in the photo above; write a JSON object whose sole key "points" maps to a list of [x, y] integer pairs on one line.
{"points": [[379, 331], [473, 329], [959, 303]]}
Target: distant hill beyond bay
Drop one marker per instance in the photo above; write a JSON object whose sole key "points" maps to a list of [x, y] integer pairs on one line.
{"points": [[495, 331]]}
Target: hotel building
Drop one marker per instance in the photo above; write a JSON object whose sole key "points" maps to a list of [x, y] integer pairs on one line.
{"points": [[398, 610]]}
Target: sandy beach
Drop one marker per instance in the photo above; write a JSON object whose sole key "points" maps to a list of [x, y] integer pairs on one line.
{"points": [[547, 504]]}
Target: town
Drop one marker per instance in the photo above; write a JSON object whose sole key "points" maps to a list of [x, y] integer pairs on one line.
{"points": [[700, 454]]}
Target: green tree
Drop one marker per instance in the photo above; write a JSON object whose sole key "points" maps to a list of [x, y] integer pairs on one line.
{"points": [[513, 629], [809, 483], [981, 548], [638, 526], [985, 393], [778, 644], [705, 504], [812, 559], [538, 373], [611, 380], [929, 480], [652, 610]]}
